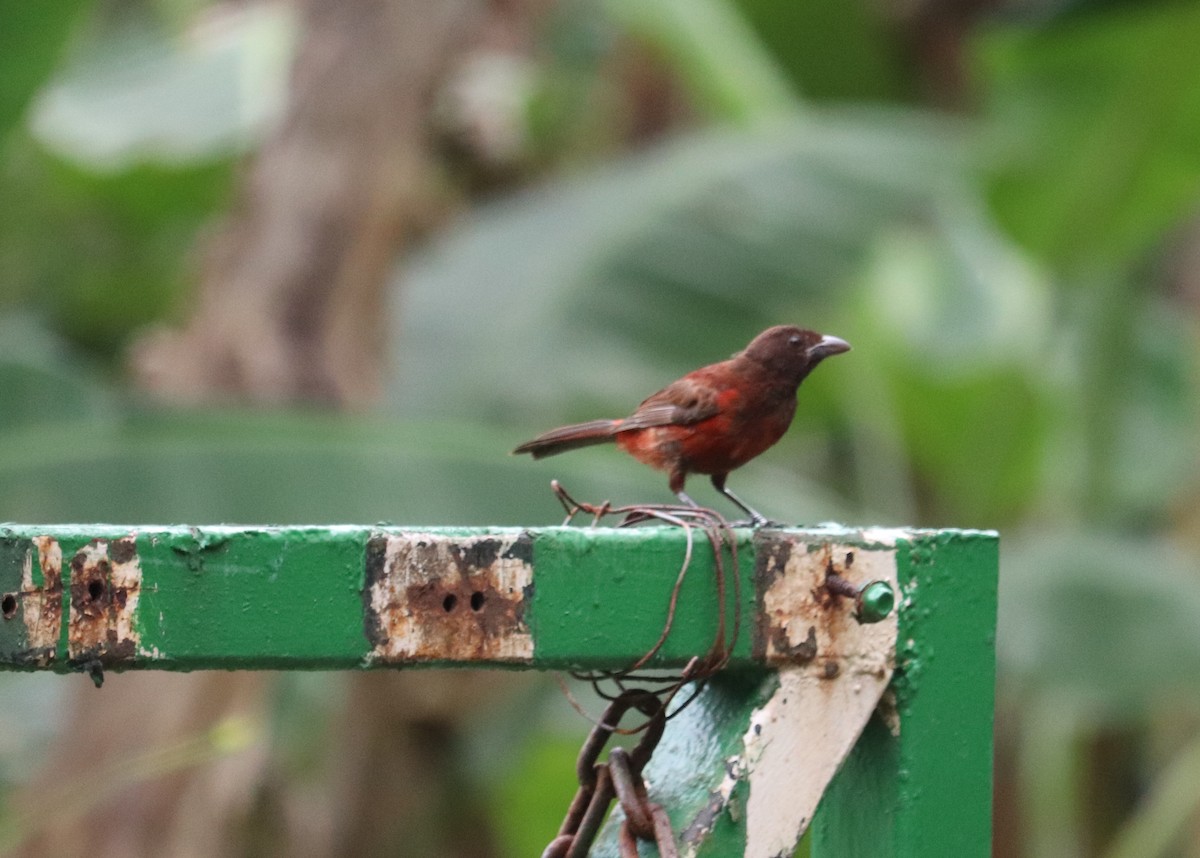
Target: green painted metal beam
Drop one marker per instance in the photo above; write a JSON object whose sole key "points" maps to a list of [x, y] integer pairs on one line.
{"points": [[188, 598], [740, 771]]}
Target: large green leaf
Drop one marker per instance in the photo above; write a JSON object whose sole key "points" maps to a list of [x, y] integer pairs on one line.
{"points": [[715, 52], [1109, 620], [1102, 115], [134, 92], [288, 467], [579, 300], [72, 451], [630, 275], [101, 256], [958, 328], [42, 383]]}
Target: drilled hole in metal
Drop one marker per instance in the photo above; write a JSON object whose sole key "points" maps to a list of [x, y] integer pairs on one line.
{"points": [[9, 605], [449, 602], [95, 589], [476, 601]]}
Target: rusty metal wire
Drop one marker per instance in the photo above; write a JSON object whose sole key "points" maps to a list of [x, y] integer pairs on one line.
{"points": [[721, 538], [650, 693]]}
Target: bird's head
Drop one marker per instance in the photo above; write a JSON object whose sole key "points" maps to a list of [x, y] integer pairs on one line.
{"points": [[793, 352]]}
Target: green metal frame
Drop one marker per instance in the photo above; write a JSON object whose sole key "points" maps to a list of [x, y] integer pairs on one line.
{"points": [[918, 781]]}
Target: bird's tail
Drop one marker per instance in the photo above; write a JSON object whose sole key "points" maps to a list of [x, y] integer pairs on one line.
{"points": [[570, 438]]}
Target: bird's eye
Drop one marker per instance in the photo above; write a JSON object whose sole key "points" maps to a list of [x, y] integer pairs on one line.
{"points": [[794, 340]]}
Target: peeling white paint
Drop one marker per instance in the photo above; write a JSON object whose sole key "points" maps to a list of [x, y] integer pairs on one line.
{"points": [[829, 686], [797, 740], [42, 603], [888, 536]]}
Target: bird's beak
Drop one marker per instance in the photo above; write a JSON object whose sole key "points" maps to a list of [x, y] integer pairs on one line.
{"points": [[828, 345]]}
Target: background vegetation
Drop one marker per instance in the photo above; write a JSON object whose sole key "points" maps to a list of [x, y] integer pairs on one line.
{"points": [[995, 202]]}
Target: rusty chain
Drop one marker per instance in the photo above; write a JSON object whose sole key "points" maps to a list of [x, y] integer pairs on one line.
{"points": [[621, 776]]}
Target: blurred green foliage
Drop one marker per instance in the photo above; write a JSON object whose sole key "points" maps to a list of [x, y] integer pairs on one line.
{"points": [[831, 50], [101, 255], [31, 43], [1022, 356], [1102, 111]]}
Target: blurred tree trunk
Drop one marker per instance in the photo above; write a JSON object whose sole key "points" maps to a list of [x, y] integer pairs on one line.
{"points": [[290, 304]]}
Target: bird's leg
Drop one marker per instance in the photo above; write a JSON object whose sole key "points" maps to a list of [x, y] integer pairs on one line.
{"points": [[757, 519], [677, 479]]}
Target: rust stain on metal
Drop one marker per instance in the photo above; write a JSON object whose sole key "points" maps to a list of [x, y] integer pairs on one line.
{"points": [[106, 581], [799, 653], [805, 621], [36, 602], [433, 597], [771, 558]]}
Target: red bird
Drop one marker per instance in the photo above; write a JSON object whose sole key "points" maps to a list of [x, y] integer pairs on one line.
{"points": [[714, 419]]}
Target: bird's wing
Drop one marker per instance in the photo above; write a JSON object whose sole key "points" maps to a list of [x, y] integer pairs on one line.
{"points": [[680, 403]]}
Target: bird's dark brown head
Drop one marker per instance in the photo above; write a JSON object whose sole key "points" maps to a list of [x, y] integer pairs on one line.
{"points": [[792, 352]]}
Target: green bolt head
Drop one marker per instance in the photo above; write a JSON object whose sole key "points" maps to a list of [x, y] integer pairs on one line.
{"points": [[875, 602]]}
